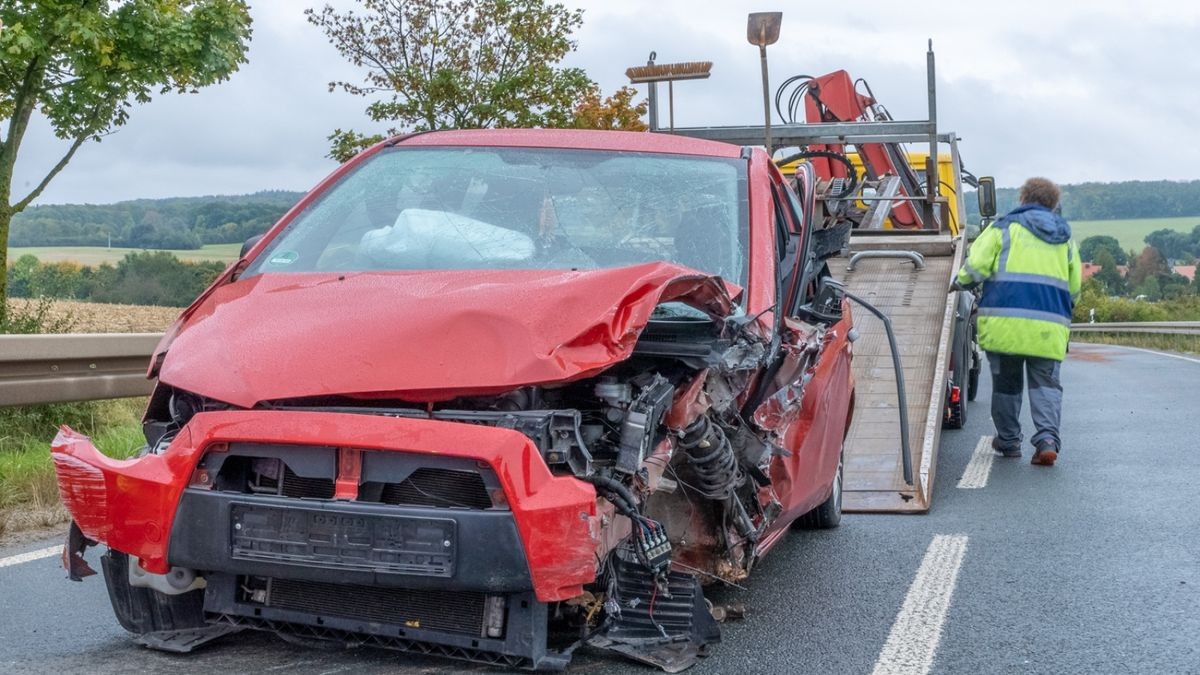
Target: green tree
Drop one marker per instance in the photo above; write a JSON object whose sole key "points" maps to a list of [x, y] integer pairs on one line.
{"points": [[1091, 247], [1149, 264], [1149, 288], [456, 64], [1109, 276], [1170, 243], [83, 64]]}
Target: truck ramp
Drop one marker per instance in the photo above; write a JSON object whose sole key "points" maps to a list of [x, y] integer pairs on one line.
{"points": [[922, 314]]}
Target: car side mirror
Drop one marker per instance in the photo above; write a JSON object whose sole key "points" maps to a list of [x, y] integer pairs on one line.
{"points": [[826, 305], [987, 197], [250, 243]]}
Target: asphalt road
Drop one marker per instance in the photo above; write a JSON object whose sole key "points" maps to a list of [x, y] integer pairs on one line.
{"points": [[1092, 566]]}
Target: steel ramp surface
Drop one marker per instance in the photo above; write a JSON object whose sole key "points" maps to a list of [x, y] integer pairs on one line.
{"points": [[922, 312]]}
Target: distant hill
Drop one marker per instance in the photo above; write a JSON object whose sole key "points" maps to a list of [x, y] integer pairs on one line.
{"points": [[1112, 201], [171, 223], [192, 222]]}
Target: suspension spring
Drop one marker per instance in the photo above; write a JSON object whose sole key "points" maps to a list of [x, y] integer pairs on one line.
{"points": [[711, 456]]}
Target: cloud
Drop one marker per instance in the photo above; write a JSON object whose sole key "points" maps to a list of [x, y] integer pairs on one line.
{"points": [[1102, 91]]}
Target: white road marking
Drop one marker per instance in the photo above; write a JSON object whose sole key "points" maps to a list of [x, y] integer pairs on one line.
{"points": [[31, 556], [1155, 352], [913, 642], [976, 475]]}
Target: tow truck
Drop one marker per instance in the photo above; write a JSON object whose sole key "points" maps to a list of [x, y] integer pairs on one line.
{"points": [[897, 232]]}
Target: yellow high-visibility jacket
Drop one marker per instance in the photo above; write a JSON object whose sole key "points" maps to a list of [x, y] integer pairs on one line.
{"points": [[1030, 271]]}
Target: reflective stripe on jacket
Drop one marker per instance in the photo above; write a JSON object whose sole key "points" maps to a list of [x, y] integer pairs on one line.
{"points": [[1030, 272]]}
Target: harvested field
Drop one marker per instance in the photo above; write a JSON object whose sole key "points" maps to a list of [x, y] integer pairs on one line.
{"points": [[94, 317]]}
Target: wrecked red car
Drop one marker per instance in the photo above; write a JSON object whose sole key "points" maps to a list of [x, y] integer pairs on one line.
{"points": [[490, 395]]}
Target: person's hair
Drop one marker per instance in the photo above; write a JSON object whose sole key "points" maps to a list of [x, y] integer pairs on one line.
{"points": [[1040, 191]]}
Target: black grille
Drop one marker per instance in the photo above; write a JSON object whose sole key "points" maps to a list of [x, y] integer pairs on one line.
{"points": [[307, 632], [448, 611], [439, 487], [674, 612], [298, 486]]}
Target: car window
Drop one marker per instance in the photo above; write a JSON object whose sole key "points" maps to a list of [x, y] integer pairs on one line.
{"points": [[518, 208]]}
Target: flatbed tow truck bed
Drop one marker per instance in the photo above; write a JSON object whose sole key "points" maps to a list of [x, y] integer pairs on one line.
{"points": [[922, 313]]}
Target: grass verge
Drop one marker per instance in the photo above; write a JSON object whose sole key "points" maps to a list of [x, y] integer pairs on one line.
{"points": [[1189, 344], [28, 487]]}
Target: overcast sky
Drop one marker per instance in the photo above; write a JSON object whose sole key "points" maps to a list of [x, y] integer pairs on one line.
{"points": [[1099, 90]]}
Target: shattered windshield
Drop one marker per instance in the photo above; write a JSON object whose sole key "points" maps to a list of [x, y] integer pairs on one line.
{"points": [[519, 208]]}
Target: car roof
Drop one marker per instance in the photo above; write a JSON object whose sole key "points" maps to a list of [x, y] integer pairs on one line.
{"points": [[575, 139]]}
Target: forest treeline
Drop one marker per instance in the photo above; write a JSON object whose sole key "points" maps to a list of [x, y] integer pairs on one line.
{"points": [[174, 223]]}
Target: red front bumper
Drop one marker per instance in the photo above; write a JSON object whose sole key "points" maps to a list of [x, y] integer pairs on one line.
{"points": [[130, 505]]}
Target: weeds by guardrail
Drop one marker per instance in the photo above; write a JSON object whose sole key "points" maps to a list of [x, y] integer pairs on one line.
{"points": [[1171, 336]]}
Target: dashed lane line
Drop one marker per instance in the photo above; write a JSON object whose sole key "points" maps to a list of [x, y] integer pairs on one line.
{"points": [[980, 466], [913, 641], [31, 556]]}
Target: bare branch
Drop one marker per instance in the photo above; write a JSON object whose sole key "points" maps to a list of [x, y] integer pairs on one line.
{"points": [[62, 163]]}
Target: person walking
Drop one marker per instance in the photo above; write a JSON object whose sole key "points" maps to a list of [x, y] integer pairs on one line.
{"points": [[1029, 269]]}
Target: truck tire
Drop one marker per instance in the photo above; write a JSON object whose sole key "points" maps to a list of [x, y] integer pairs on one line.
{"points": [[963, 359], [956, 412], [828, 514], [973, 383]]}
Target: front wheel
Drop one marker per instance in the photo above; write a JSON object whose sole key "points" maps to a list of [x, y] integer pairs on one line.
{"points": [[829, 513]]}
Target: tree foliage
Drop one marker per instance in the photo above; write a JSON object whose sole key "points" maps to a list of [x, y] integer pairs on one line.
{"points": [[1091, 247], [1173, 244], [456, 64], [174, 223], [1112, 201], [146, 278], [1109, 275], [83, 64], [616, 112], [1149, 264]]}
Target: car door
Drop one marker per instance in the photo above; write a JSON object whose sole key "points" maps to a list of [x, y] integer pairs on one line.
{"points": [[814, 384]]}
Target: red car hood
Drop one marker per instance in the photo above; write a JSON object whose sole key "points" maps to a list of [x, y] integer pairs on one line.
{"points": [[420, 336]]}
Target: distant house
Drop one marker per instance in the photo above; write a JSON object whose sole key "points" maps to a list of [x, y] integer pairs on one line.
{"points": [[1089, 270]]}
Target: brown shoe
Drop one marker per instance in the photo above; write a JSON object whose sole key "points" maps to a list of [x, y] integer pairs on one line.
{"points": [[1045, 456]]}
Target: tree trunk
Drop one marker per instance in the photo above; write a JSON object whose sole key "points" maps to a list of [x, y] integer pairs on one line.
{"points": [[5, 221]]}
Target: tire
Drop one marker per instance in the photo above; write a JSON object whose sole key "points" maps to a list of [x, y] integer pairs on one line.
{"points": [[973, 383], [828, 514], [144, 610], [956, 413]]}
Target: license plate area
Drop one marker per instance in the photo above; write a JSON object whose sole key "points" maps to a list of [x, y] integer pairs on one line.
{"points": [[338, 540]]}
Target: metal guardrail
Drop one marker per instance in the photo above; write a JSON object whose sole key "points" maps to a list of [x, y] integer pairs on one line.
{"points": [[36, 369], [1152, 327]]}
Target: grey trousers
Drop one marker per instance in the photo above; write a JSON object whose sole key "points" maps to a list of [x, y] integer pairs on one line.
{"points": [[1045, 398]]}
